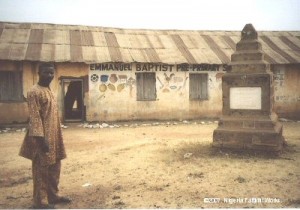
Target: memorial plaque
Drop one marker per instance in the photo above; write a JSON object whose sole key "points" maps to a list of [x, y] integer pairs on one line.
{"points": [[245, 98]]}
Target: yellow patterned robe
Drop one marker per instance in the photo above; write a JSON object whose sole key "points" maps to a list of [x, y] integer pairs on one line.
{"points": [[43, 121]]}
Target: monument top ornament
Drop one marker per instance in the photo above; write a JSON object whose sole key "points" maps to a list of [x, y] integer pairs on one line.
{"points": [[249, 32], [248, 57]]}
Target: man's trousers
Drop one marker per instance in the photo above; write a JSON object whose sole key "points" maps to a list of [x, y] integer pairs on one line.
{"points": [[45, 182]]}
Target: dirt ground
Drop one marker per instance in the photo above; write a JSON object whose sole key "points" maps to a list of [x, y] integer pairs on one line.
{"points": [[157, 165]]}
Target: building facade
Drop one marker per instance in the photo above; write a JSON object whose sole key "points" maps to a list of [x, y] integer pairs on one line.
{"points": [[106, 74]]}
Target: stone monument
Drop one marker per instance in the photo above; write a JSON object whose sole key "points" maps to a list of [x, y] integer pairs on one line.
{"points": [[248, 120]]}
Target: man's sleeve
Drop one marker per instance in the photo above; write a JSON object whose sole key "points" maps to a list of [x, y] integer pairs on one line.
{"points": [[35, 121]]}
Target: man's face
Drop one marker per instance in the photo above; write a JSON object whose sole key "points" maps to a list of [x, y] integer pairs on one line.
{"points": [[46, 75]]}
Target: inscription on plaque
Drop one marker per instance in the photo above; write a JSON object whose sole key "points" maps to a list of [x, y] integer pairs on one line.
{"points": [[245, 98]]}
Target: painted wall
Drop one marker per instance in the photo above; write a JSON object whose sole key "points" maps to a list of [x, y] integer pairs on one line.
{"points": [[112, 95], [287, 90], [118, 101]]}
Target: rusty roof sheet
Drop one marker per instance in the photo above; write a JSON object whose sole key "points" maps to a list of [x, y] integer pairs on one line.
{"points": [[74, 43]]}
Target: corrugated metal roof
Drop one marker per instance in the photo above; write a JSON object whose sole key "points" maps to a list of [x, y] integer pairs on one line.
{"points": [[70, 43]]}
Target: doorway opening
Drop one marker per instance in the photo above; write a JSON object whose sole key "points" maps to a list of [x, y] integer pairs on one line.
{"points": [[73, 100]]}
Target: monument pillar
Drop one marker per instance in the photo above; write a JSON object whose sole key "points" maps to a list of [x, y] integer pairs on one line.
{"points": [[248, 120]]}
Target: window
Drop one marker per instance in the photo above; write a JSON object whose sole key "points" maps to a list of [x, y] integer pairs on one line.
{"points": [[146, 86], [198, 87], [11, 86]]}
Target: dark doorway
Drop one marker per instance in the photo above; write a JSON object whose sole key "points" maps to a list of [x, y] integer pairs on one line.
{"points": [[73, 99]]}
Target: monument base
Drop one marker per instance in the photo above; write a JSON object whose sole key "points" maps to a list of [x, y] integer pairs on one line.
{"points": [[258, 133]]}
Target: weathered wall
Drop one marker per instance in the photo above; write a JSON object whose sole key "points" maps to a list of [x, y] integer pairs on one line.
{"points": [[287, 90], [172, 96], [16, 112], [117, 103]]}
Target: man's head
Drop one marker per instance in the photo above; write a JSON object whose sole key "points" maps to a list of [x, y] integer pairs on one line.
{"points": [[46, 73]]}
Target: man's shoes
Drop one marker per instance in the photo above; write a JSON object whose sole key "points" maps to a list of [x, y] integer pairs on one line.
{"points": [[57, 200], [60, 199], [44, 206]]}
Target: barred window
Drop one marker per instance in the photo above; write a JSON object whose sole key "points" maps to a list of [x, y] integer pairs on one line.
{"points": [[146, 86], [198, 87], [11, 86]]}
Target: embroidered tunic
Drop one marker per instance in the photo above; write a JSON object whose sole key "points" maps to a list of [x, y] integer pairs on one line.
{"points": [[44, 122]]}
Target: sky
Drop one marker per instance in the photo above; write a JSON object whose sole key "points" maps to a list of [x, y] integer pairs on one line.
{"points": [[265, 15]]}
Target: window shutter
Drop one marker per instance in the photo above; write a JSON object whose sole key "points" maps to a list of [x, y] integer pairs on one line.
{"points": [[146, 86], [11, 86], [198, 87]]}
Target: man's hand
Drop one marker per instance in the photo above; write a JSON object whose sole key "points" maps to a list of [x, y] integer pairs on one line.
{"points": [[44, 143]]}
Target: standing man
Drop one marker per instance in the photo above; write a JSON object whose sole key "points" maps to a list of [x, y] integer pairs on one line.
{"points": [[43, 143]]}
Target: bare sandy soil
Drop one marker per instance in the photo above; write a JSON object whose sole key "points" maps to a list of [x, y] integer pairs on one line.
{"points": [[157, 166]]}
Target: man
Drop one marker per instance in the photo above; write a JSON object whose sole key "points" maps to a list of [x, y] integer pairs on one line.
{"points": [[43, 143]]}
